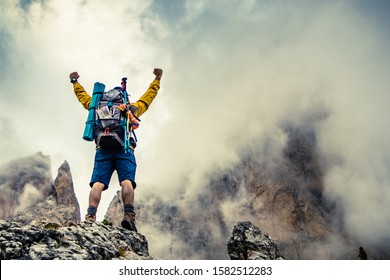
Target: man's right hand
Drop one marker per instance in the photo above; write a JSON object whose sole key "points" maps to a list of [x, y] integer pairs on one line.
{"points": [[73, 77], [158, 72]]}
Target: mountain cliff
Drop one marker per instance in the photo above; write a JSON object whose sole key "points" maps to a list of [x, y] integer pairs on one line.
{"points": [[41, 221], [262, 207], [282, 195], [59, 206]]}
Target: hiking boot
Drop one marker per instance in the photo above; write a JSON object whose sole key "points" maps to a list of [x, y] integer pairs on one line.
{"points": [[128, 222], [90, 218]]}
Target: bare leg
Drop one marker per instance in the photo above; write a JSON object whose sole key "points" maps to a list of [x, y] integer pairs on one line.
{"points": [[127, 192], [94, 199], [95, 194]]}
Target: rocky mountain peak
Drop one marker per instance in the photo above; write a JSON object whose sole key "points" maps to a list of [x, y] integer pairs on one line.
{"points": [[84, 241], [59, 206], [248, 242], [47, 225]]}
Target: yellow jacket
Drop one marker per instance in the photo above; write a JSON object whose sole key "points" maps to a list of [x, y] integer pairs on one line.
{"points": [[142, 104]]}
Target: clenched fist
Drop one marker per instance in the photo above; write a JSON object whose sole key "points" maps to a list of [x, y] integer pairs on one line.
{"points": [[73, 77], [158, 72]]}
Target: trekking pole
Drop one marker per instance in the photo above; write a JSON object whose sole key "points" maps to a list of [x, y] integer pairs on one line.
{"points": [[126, 127], [123, 83]]}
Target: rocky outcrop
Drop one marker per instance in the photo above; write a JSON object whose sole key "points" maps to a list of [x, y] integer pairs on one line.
{"points": [[248, 242], [85, 241], [114, 212], [64, 192], [41, 219], [28, 193], [60, 206]]}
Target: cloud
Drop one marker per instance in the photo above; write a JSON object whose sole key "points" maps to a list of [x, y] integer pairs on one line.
{"points": [[12, 145], [238, 79], [233, 75]]}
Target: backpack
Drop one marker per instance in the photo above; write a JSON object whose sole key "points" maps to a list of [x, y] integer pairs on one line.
{"points": [[111, 126]]}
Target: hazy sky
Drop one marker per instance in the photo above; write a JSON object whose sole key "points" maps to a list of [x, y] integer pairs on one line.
{"points": [[234, 71]]}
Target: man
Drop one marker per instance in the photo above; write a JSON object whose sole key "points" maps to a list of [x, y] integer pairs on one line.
{"points": [[106, 161]]}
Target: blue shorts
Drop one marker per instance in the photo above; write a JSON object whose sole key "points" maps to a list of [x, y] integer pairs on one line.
{"points": [[107, 162]]}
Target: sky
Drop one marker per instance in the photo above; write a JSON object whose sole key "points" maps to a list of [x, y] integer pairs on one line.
{"points": [[234, 71]]}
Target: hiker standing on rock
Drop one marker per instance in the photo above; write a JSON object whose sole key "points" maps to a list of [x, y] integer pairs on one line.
{"points": [[115, 119]]}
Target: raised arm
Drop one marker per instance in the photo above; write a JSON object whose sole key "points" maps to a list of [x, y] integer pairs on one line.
{"points": [[83, 97], [146, 99]]}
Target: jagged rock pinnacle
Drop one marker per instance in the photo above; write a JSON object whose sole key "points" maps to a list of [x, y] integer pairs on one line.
{"points": [[248, 242]]}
